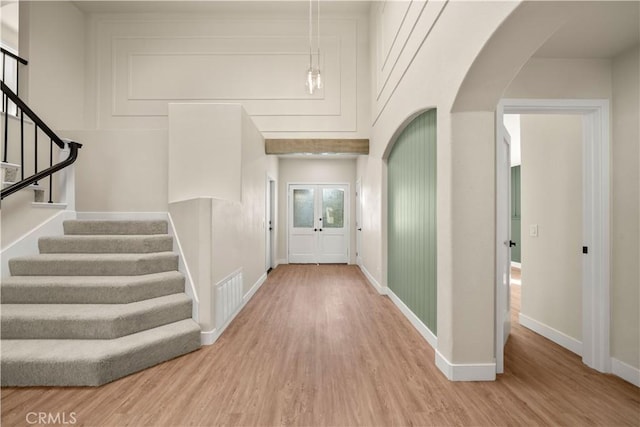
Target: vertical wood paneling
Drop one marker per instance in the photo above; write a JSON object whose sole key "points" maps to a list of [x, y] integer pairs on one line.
{"points": [[412, 218], [515, 214]]}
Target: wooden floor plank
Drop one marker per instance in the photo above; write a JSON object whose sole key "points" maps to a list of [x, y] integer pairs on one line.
{"points": [[318, 346]]}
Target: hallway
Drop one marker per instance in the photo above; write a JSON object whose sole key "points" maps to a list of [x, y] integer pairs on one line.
{"points": [[318, 346]]}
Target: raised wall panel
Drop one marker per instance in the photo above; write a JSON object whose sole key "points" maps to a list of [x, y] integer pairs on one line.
{"points": [[412, 219], [146, 62], [404, 27]]}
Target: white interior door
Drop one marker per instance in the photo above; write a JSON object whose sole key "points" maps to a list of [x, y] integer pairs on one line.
{"points": [[318, 224], [503, 247]]}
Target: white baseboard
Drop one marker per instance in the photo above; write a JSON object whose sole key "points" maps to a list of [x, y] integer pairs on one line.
{"points": [[380, 289], [415, 321], [625, 371], [516, 265], [552, 334], [465, 371], [210, 337], [282, 261], [254, 289], [27, 244], [183, 267], [115, 216]]}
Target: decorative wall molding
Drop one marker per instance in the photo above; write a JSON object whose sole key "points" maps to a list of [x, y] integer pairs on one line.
{"points": [[210, 337], [552, 334], [411, 30], [465, 371], [259, 62]]}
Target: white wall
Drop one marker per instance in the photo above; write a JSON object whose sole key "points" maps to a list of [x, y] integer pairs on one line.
{"points": [[309, 171], [551, 185], [205, 156], [52, 38], [121, 170], [222, 235], [429, 62], [625, 292], [256, 59]]}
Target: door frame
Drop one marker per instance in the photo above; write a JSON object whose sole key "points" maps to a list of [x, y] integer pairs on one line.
{"points": [[358, 221], [503, 250], [596, 226], [270, 215], [347, 215]]}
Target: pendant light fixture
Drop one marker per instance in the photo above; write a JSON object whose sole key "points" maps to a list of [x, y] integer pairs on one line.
{"points": [[314, 77]]}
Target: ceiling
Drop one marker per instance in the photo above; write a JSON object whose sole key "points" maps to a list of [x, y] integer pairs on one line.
{"points": [[600, 29]]}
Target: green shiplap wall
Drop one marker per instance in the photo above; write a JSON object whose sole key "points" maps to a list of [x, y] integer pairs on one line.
{"points": [[515, 214], [412, 218]]}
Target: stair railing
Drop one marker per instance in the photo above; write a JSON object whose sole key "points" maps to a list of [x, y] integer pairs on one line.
{"points": [[40, 127]]}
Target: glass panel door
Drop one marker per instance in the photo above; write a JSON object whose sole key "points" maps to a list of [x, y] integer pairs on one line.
{"points": [[303, 227]]}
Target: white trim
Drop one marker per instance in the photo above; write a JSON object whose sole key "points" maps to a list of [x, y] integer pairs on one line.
{"points": [[183, 267], [210, 337], [123, 216], [552, 334], [465, 371], [347, 208], [382, 290], [596, 216], [516, 265], [625, 371], [281, 261], [254, 288], [415, 321], [46, 205], [27, 244]]}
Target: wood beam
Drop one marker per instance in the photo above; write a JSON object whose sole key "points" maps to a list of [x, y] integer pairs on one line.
{"points": [[317, 146]]}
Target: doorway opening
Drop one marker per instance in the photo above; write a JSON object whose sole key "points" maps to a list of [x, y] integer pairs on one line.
{"points": [[594, 249]]}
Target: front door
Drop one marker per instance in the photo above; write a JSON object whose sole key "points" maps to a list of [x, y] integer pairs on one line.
{"points": [[318, 223]]}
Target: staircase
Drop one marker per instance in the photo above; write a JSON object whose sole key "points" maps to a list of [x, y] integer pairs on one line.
{"points": [[9, 175], [99, 303]]}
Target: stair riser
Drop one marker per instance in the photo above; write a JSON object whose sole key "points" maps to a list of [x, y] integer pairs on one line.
{"points": [[62, 245], [104, 267], [115, 227], [96, 372], [47, 328], [79, 294]]}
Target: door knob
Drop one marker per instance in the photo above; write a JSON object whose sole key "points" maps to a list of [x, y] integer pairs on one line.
{"points": [[320, 229], [359, 229], [512, 243]]}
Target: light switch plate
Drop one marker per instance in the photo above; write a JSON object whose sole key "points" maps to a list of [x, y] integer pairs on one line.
{"points": [[533, 230]]}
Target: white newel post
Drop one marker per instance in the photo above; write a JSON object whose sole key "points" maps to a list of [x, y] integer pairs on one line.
{"points": [[67, 182]]}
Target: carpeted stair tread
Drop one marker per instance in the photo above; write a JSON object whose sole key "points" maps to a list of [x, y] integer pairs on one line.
{"points": [[115, 227], [89, 289], [91, 321], [106, 244], [93, 362], [93, 264]]}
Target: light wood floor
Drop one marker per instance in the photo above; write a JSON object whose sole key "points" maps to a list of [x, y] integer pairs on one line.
{"points": [[317, 346]]}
